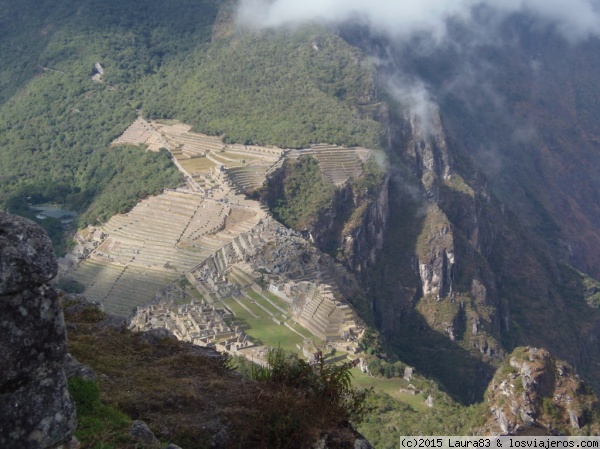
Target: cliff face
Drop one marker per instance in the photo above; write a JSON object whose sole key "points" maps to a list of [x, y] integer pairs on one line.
{"points": [[363, 238], [433, 285], [37, 411], [458, 270]]}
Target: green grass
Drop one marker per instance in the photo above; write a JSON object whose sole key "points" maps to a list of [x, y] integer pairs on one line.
{"points": [[308, 334], [264, 329], [98, 425], [182, 301], [276, 300], [196, 294], [388, 386], [254, 308], [259, 299], [272, 334]]}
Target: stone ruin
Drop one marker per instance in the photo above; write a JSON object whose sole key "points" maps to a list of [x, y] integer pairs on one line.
{"points": [[309, 281], [221, 241], [199, 323], [37, 411]]}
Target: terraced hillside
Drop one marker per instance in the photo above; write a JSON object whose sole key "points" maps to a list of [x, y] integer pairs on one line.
{"points": [[141, 132], [204, 157], [159, 240], [208, 226], [338, 164]]}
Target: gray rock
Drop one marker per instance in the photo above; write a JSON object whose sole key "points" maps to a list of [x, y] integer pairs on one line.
{"points": [[112, 322], [220, 439], [575, 420], [172, 446], [361, 443], [74, 368], [37, 411], [71, 444], [141, 433], [429, 401], [26, 256], [80, 305], [157, 335]]}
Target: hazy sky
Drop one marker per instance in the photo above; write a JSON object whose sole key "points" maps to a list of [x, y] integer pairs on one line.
{"points": [[575, 18]]}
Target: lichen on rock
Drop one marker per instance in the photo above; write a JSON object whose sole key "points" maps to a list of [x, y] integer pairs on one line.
{"points": [[37, 411]]}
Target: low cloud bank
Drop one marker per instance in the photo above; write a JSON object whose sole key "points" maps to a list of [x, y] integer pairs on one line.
{"points": [[576, 19]]}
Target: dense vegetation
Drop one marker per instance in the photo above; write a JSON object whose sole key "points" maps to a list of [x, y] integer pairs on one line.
{"points": [[272, 87], [298, 193], [56, 128]]}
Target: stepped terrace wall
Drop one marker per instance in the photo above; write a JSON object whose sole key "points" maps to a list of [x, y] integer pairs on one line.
{"points": [[338, 164], [157, 242]]}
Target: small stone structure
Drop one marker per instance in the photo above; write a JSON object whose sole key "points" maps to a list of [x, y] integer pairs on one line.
{"points": [[37, 411]]}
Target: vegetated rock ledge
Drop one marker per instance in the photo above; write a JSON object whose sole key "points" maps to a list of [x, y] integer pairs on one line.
{"points": [[533, 389]]}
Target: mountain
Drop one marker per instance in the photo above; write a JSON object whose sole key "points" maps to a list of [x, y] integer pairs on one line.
{"points": [[479, 236], [523, 215]]}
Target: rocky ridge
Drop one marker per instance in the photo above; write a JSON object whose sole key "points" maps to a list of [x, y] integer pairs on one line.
{"points": [[533, 388]]}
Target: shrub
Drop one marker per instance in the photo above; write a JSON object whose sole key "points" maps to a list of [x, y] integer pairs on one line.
{"points": [[329, 384]]}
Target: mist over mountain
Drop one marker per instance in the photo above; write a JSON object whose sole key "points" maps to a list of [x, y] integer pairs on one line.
{"points": [[509, 77], [400, 19]]}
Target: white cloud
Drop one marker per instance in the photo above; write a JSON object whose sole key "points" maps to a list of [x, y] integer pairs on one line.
{"points": [[575, 18]]}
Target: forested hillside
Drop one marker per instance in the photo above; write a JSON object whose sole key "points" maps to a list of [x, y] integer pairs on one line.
{"points": [[161, 60]]}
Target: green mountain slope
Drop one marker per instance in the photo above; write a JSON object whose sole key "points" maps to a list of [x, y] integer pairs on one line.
{"points": [[158, 60]]}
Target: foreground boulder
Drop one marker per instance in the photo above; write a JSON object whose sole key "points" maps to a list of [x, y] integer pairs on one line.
{"points": [[37, 411]]}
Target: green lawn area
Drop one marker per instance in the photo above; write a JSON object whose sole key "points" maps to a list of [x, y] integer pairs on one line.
{"points": [[253, 308], [272, 334], [264, 329], [389, 386], [259, 299], [182, 301], [317, 341], [275, 300]]}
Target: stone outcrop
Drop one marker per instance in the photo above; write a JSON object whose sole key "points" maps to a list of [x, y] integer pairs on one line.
{"points": [[37, 411], [533, 388], [141, 434]]}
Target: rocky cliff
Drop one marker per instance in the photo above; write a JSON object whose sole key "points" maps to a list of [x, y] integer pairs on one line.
{"points": [[534, 389], [37, 411], [362, 236]]}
